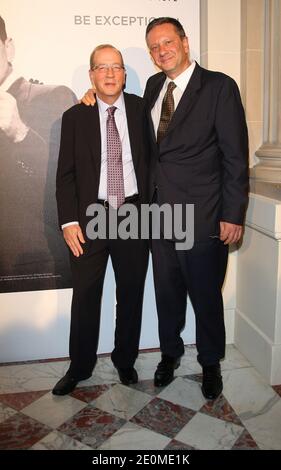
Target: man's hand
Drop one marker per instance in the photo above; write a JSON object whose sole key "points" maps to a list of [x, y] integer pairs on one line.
{"points": [[10, 121], [230, 233], [89, 98], [73, 236]]}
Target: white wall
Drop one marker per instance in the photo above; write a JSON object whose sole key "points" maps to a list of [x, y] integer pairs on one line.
{"points": [[52, 48], [258, 313]]}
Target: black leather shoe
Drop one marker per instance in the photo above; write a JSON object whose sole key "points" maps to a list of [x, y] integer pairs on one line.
{"points": [[66, 385], [127, 375], [165, 370], [212, 382]]}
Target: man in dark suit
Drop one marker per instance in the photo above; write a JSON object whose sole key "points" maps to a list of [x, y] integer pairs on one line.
{"points": [[95, 142], [32, 253], [199, 145]]}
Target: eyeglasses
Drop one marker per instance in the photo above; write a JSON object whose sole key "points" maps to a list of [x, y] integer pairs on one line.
{"points": [[103, 68]]}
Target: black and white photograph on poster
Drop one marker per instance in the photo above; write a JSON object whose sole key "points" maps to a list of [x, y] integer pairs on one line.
{"points": [[44, 65], [32, 249]]}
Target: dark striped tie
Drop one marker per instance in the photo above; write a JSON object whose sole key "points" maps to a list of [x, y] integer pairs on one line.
{"points": [[167, 111]]}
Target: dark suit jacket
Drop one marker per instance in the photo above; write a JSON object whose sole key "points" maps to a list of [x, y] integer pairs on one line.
{"points": [[32, 253], [79, 163], [203, 159]]}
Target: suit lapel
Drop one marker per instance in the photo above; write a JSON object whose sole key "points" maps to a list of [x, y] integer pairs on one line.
{"points": [[154, 95], [92, 128], [134, 131], [156, 89], [187, 100]]}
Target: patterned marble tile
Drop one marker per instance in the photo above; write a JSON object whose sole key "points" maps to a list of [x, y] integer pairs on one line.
{"points": [[220, 408], [103, 373], [246, 416], [122, 401], [245, 442], [176, 445], [247, 392], [34, 361], [147, 386], [195, 377], [21, 432], [59, 441], [263, 446], [163, 417], [190, 353], [233, 359], [265, 426], [189, 363], [88, 394], [5, 412], [184, 392], [92, 426], [134, 437], [146, 365], [53, 410], [21, 400], [31, 377], [277, 389], [205, 432]]}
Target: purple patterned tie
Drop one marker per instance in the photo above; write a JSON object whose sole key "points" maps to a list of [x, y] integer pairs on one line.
{"points": [[115, 179]]}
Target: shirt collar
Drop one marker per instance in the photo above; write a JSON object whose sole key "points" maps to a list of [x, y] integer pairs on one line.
{"points": [[11, 78], [119, 104], [182, 80]]}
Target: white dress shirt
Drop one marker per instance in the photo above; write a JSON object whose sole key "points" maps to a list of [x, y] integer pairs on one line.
{"points": [[181, 81], [130, 181]]}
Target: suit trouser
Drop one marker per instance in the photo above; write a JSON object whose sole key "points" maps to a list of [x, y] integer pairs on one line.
{"points": [[199, 273], [129, 260]]}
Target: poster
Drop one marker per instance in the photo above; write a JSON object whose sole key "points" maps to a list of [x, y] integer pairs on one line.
{"points": [[44, 62]]}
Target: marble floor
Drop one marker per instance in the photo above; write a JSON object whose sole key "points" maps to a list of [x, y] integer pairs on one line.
{"points": [[104, 414]]}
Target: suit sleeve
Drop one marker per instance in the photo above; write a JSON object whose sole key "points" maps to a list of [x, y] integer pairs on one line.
{"points": [[31, 150], [66, 193], [231, 129], [146, 92], [151, 83]]}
